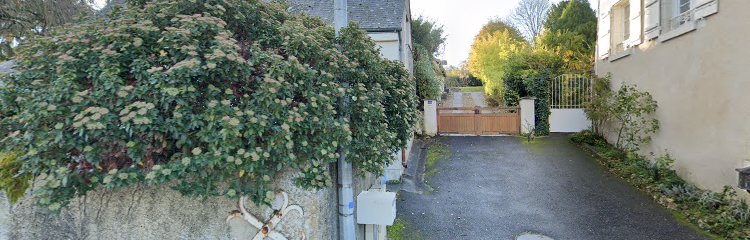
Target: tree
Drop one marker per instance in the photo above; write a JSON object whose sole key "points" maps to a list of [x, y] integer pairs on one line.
{"points": [[21, 19], [428, 34], [489, 55], [428, 80], [529, 16], [497, 25], [213, 99], [571, 33], [428, 41]]}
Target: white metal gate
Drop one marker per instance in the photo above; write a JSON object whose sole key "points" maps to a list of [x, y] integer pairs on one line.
{"points": [[569, 94]]}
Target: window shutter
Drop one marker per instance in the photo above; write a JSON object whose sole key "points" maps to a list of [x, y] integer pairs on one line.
{"points": [[635, 23], [705, 8], [603, 35], [651, 19]]}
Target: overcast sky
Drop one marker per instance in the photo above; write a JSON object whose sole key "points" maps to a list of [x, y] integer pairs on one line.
{"points": [[461, 20]]}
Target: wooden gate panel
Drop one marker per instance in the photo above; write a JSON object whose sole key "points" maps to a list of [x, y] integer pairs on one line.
{"points": [[499, 124], [456, 123], [479, 121]]}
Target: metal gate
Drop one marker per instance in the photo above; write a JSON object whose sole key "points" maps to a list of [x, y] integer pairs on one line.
{"points": [[479, 121], [569, 95]]}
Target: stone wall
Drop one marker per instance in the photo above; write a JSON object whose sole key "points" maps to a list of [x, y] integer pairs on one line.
{"points": [[159, 213]]}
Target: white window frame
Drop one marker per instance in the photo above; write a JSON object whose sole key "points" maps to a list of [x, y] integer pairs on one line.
{"points": [[620, 30], [683, 20]]}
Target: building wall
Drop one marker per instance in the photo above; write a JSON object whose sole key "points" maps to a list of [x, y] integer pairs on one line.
{"points": [[407, 56], [388, 43], [701, 81]]}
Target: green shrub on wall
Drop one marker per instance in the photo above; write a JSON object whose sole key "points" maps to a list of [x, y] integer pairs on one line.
{"points": [[217, 98], [539, 87], [428, 81], [11, 182], [527, 75]]}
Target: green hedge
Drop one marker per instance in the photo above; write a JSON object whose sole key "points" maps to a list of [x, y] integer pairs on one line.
{"points": [[215, 99]]}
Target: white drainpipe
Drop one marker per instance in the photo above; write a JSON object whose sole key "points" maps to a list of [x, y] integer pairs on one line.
{"points": [[347, 228]]}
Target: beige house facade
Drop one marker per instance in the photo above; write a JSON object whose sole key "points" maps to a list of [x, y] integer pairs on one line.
{"points": [[693, 57]]}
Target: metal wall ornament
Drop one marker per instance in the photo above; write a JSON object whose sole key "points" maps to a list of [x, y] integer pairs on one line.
{"points": [[267, 230]]}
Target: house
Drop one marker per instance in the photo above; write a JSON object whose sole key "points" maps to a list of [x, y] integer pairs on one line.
{"points": [[388, 22], [692, 56]]}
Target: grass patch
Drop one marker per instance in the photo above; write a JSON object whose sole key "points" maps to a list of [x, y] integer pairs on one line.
{"points": [[402, 230], [394, 181], [472, 89], [437, 152]]}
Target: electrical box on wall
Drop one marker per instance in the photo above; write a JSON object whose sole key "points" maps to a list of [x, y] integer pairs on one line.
{"points": [[377, 208]]}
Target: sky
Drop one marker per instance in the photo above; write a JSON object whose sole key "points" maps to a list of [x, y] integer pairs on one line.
{"points": [[461, 20]]}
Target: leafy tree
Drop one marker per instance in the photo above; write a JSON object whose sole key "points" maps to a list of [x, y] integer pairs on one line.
{"points": [[571, 33], [462, 76], [527, 74], [490, 53], [498, 25], [529, 16], [428, 41], [21, 19], [428, 34], [213, 99], [632, 111], [428, 81]]}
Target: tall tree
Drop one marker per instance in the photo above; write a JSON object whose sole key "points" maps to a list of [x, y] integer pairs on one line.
{"points": [[529, 16], [428, 34], [20, 19], [489, 55], [497, 25], [428, 38], [571, 33]]}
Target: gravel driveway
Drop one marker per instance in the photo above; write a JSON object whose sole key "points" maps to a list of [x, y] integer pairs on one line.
{"points": [[500, 188]]}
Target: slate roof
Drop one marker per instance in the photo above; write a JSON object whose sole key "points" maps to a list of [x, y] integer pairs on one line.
{"points": [[370, 14]]}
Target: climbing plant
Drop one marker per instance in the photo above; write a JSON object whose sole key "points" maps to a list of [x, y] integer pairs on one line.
{"points": [[215, 99]]}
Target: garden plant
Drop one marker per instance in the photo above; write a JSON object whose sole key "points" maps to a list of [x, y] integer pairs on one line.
{"points": [[212, 99]]}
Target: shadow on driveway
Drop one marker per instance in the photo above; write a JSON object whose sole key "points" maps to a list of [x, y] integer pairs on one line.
{"points": [[500, 187]]}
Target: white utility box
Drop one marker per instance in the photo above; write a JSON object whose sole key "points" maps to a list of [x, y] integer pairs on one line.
{"points": [[374, 207]]}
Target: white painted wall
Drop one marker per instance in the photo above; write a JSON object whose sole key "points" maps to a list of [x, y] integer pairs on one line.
{"points": [[389, 45], [528, 121], [430, 118], [568, 120]]}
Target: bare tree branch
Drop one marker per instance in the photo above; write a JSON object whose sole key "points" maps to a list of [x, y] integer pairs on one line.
{"points": [[529, 17]]}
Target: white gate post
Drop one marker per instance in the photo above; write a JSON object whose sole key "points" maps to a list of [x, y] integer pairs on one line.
{"points": [[430, 117], [528, 122]]}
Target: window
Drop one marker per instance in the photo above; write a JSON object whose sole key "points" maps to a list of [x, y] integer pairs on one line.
{"points": [[620, 26], [626, 21], [683, 6], [677, 14]]}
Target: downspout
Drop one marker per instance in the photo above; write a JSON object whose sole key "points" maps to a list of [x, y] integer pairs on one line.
{"points": [[347, 228]]}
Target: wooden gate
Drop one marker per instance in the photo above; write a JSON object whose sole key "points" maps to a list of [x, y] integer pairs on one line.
{"points": [[479, 121]]}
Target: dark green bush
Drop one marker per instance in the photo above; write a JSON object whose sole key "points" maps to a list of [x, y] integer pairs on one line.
{"points": [[216, 98]]}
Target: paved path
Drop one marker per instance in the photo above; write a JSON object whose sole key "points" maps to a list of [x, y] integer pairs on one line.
{"points": [[500, 188], [462, 99]]}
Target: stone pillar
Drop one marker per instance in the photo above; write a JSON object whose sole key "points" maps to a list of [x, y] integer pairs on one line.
{"points": [[430, 117], [528, 121]]}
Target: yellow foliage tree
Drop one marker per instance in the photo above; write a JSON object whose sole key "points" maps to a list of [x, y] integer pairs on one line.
{"points": [[488, 57]]}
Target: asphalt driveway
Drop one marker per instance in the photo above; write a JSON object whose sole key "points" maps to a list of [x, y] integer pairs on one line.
{"points": [[500, 187]]}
